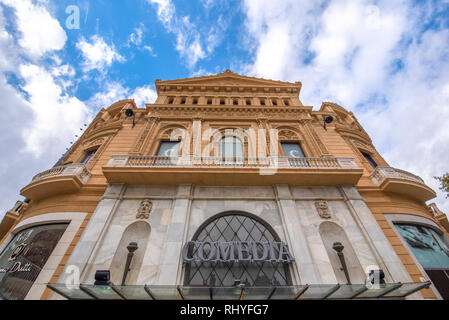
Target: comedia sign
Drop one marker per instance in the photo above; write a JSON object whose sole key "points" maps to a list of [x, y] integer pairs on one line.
{"points": [[236, 251]]}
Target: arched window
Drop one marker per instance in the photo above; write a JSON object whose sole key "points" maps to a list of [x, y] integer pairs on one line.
{"points": [[23, 259], [235, 227], [231, 147]]}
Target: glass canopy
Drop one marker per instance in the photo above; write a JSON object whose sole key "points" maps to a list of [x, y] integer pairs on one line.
{"points": [[300, 292]]}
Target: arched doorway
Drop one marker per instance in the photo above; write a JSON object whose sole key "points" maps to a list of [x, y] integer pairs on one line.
{"points": [[235, 227]]}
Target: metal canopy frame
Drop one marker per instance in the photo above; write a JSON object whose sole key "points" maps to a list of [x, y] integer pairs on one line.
{"points": [[179, 292]]}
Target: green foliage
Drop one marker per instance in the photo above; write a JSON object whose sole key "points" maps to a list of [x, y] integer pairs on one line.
{"points": [[444, 183]]}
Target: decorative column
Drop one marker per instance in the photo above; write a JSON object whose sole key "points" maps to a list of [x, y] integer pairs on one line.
{"points": [[197, 136], [171, 267], [306, 270]]}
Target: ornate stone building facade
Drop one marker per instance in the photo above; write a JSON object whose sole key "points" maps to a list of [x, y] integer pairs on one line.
{"points": [[225, 181]]}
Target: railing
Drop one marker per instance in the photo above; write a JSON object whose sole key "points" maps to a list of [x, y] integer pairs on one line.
{"points": [[219, 162], [74, 169], [381, 173]]}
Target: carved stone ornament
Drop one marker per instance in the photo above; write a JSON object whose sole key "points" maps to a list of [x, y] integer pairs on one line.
{"points": [[323, 209], [144, 209]]}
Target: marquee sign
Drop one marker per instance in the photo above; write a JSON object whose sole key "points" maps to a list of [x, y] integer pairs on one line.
{"points": [[236, 251]]}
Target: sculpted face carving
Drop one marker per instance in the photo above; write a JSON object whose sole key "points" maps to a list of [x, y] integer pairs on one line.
{"points": [[144, 209], [323, 209]]}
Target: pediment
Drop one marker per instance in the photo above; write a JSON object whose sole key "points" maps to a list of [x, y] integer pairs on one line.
{"points": [[228, 78]]}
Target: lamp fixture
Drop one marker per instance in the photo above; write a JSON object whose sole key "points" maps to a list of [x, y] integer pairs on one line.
{"points": [[102, 277], [130, 113], [327, 119], [338, 247]]}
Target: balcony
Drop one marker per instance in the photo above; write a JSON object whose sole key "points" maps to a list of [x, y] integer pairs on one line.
{"points": [[156, 170], [59, 180], [399, 181]]}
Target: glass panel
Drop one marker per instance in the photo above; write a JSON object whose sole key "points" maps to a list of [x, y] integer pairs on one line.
{"points": [[287, 292], [231, 147], [424, 244], [72, 292], [370, 160], [24, 257], [377, 291], [196, 293], [89, 155], [258, 293], [317, 292], [228, 228], [347, 291], [169, 149], [164, 292], [101, 292], [226, 293], [292, 150], [133, 292], [404, 290]]}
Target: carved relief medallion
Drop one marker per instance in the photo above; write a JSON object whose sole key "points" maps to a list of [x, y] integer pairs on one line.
{"points": [[323, 209], [144, 209]]}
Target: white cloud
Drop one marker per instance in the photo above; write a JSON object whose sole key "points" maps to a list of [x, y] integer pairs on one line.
{"points": [[56, 115], [150, 50], [192, 44], [374, 60], [97, 53], [136, 37], [40, 32], [115, 91]]}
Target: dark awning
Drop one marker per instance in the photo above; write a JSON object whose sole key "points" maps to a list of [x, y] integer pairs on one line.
{"points": [[300, 292]]}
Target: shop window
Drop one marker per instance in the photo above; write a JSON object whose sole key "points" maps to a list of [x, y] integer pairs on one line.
{"points": [[369, 159], [23, 259], [431, 251], [231, 147], [89, 155], [169, 148], [292, 150], [235, 227]]}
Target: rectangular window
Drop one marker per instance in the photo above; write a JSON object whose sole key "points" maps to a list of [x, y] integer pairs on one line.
{"points": [[89, 155], [262, 102], [274, 102], [169, 149], [369, 159], [209, 100], [292, 150]]}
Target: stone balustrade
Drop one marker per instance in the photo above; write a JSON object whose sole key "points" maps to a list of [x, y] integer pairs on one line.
{"points": [[381, 173], [219, 162], [75, 169]]}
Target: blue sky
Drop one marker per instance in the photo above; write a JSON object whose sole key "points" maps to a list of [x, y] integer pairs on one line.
{"points": [[387, 61]]}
